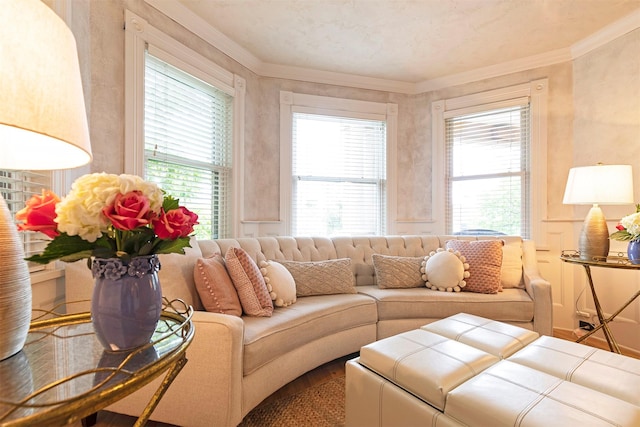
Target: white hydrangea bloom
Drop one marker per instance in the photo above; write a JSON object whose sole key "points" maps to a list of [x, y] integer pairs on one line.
{"points": [[632, 224], [80, 212]]}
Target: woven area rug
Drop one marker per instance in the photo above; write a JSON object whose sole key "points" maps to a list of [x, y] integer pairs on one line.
{"points": [[319, 406]]}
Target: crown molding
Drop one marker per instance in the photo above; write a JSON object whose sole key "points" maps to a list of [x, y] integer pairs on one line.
{"points": [[195, 24], [183, 16], [334, 78], [530, 62], [607, 34]]}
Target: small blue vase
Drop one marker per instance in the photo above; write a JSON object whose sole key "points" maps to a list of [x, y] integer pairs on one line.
{"points": [[127, 301], [633, 252]]}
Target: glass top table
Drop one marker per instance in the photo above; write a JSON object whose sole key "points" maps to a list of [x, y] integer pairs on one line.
{"points": [[63, 374], [612, 261]]}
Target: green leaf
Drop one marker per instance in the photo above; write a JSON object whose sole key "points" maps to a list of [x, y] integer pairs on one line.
{"points": [[621, 235], [172, 246], [169, 203], [77, 256], [63, 246]]}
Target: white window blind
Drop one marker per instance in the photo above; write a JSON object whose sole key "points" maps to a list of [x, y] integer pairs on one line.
{"points": [[338, 175], [188, 143], [487, 171], [16, 188]]}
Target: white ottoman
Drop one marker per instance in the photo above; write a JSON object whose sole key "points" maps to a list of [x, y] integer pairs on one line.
{"points": [[470, 371]]}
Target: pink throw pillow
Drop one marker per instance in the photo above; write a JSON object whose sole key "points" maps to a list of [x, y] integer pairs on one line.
{"points": [[215, 287], [248, 281], [485, 263]]}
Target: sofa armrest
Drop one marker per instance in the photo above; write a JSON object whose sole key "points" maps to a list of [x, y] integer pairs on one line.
{"points": [[208, 391], [538, 288]]}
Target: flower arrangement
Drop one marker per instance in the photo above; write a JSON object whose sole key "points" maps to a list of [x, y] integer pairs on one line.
{"points": [[108, 216], [629, 227]]}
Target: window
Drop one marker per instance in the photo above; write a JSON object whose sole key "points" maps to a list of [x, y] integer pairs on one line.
{"points": [[334, 162], [339, 175], [487, 171], [184, 126], [187, 143], [16, 188], [490, 152]]}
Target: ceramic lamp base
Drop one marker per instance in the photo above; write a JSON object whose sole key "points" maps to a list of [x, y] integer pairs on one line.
{"points": [[594, 237], [15, 287]]}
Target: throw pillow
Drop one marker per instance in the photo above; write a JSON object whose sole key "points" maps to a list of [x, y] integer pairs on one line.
{"points": [[280, 283], [397, 271], [248, 281], [322, 277], [445, 270], [485, 262], [215, 287], [511, 272]]}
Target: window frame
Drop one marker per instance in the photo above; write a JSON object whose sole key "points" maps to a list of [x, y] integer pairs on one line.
{"points": [[291, 102], [537, 92], [138, 35]]}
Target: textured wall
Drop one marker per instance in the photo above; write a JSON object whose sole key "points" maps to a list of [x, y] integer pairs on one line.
{"points": [[603, 79], [607, 109]]}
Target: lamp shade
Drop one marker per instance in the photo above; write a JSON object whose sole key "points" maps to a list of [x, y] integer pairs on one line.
{"points": [[599, 184], [43, 123]]}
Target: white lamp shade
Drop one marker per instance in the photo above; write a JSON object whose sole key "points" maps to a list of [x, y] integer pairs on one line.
{"points": [[600, 184], [43, 123]]}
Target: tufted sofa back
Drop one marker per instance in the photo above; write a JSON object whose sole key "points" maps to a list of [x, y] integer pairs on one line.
{"points": [[359, 249]]}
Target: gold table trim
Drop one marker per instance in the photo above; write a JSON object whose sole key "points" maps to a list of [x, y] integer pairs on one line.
{"points": [[103, 394], [611, 261]]}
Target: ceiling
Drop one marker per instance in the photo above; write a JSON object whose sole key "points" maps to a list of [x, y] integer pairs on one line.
{"points": [[409, 41]]}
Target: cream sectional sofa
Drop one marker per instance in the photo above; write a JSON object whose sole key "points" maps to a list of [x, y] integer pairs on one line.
{"points": [[236, 362]]}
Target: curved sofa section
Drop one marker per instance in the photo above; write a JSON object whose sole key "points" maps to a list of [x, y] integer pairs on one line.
{"points": [[235, 363]]}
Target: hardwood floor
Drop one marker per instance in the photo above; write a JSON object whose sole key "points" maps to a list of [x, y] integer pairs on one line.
{"points": [[319, 375]]}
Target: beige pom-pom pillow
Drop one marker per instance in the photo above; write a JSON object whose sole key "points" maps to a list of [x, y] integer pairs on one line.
{"points": [[445, 270], [280, 283]]}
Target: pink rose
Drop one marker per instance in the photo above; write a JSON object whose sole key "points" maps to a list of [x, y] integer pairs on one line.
{"points": [[175, 223], [39, 214], [129, 211]]}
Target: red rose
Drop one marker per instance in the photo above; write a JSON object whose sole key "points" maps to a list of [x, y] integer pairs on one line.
{"points": [[39, 214], [129, 211], [620, 227], [175, 223]]}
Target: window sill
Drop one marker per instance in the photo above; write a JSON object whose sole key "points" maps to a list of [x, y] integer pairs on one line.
{"points": [[45, 275]]}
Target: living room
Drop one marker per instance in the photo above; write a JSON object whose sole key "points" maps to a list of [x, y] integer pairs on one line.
{"points": [[593, 115]]}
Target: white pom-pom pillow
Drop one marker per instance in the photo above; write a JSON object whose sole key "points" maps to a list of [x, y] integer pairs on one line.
{"points": [[445, 270], [280, 283]]}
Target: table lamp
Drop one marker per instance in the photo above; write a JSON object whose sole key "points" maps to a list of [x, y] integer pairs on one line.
{"points": [[597, 185], [43, 125]]}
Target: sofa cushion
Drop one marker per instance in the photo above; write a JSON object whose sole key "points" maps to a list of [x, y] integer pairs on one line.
{"points": [[485, 263], [215, 287], [360, 249], [511, 305], [397, 271], [445, 270], [322, 277], [308, 320], [248, 281], [280, 283], [176, 275], [511, 272]]}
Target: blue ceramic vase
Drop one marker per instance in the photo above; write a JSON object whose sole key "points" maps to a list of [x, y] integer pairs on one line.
{"points": [[633, 252], [127, 301]]}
